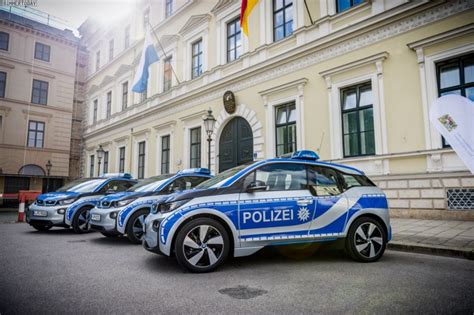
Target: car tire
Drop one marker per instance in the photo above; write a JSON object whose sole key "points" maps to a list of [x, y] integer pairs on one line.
{"points": [[193, 250], [41, 227], [109, 234], [366, 240], [80, 220], [135, 226]]}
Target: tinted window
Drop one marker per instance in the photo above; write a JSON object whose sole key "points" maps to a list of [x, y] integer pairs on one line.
{"points": [[279, 177], [116, 185], [323, 181], [84, 185], [349, 181], [150, 184]]}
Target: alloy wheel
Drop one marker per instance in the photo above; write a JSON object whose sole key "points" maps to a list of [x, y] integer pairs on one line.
{"points": [[203, 246], [368, 240]]}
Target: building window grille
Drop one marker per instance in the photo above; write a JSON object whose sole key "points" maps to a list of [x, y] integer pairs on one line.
{"points": [[460, 198]]}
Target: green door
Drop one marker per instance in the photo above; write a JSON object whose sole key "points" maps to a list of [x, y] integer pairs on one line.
{"points": [[235, 144]]}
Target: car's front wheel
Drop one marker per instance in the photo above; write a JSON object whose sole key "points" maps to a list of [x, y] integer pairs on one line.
{"points": [[135, 226], [366, 240], [80, 220], [202, 245]]}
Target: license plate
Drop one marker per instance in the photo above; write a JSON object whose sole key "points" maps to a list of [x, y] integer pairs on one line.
{"points": [[40, 213], [95, 217]]}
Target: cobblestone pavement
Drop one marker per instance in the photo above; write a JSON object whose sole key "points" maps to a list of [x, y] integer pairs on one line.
{"points": [[452, 234]]}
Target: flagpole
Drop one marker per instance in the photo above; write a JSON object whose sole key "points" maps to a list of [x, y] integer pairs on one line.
{"points": [[309, 14], [164, 53]]}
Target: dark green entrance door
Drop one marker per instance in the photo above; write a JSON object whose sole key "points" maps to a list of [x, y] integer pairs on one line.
{"points": [[235, 144]]}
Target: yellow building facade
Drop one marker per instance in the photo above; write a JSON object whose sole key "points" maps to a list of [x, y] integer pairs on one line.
{"points": [[351, 80]]}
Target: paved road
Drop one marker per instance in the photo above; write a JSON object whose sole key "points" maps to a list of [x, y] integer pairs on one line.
{"points": [[62, 272]]}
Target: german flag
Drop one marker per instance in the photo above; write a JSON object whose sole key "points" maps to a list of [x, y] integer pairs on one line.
{"points": [[247, 6]]}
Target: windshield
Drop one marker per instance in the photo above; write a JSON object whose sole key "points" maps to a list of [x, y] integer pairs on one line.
{"points": [[83, 185], [150, 184], [222, 177]]}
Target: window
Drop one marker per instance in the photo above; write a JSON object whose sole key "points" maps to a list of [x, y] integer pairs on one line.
{"points": [[3, 83], [285, 129], [167, 74], [116, 185], [358, 120], [106, 162], [195, 158], [280, 176], [124, 95], [94, 115], [109, 105], [169, 8], [456, 76], [91, 165], [146, 18], [165, 154], [127, 37], [121, 159], [234, 40], [282, 19], [39, 94], [97, 61], [323, 181], [196, 70], [35, 134], [184, 183], [42, 51], [111, 50], [4, 40], [141, 159], [342, 5]]}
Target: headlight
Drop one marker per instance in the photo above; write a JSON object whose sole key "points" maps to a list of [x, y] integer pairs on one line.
{"points": [[125, 202], [66, 201], [171, 206]]}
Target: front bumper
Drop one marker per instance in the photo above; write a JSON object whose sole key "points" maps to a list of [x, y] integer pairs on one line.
{"points": [[52, 215], [103, 223], [151, 233]]}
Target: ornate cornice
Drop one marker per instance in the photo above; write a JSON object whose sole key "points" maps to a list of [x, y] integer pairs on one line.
{"points": [[123, 69], [107, 80], [221, 5], [193, 22]]}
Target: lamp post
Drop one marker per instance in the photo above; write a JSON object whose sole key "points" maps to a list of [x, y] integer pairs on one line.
{"points": [[209, 122], [100, 153], [49, 165]]}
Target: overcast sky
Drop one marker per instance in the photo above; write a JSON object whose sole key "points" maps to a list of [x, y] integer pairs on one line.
{"points": [[74, 12]]}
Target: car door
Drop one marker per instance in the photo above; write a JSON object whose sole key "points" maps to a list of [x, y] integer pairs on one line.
{"points": [[331, 204], [280, 208]]}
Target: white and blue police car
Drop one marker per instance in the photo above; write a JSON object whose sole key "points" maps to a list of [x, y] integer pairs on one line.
{"points": [[280, 201], [125, 212], [69, 206]]}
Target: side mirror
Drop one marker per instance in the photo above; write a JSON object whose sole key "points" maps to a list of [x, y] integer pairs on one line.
{"points": [[110, 191], [255, 186]]}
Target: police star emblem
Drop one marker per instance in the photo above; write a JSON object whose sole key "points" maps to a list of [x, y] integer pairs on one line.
{"points": [[303, 214]]}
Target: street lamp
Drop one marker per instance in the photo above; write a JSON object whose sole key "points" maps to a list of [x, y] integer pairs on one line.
{"points": [[49, 165], [100, 153], [209, 122]]}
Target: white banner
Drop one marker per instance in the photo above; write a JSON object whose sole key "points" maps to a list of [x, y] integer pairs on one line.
{"points": [[453, 117]]}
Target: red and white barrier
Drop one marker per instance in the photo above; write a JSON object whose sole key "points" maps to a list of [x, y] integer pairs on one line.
{"points": [[21, 209]]}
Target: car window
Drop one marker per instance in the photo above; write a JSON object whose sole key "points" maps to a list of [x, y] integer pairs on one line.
{"points": [[84, 185], [349, 181], [116, 185], [323, 181], [184, 183], [280, 176]]}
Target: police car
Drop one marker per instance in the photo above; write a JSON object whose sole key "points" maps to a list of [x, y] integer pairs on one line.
{"points": [[124, 213], [69, 206], [281, 201]]}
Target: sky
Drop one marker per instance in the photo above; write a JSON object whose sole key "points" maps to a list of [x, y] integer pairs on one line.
{"points": [[74, 12]]}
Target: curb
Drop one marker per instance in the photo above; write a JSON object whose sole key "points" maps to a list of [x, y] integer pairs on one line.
{"points": [[431, 249]]}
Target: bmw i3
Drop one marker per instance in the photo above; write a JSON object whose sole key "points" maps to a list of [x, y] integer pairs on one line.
{"points": [[281, 201], [125, 212]]}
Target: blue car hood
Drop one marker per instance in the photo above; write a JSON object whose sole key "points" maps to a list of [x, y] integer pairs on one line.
{"points": [[57, 195]]}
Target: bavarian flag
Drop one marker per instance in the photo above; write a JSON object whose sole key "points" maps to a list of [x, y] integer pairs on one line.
{"points": [[247, 6]]}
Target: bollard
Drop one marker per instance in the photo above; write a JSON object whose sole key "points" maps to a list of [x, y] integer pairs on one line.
{"points": [[21, 209]]}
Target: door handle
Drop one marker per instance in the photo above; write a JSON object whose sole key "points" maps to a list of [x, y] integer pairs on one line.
{"points": [[303, 202]]}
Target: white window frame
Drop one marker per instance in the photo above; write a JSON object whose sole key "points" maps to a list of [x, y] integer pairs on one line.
{"points": [[189, 40], [171, 51], [222, 19], [135, 158], [117, 161], [158, 151], [266, 20]]}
